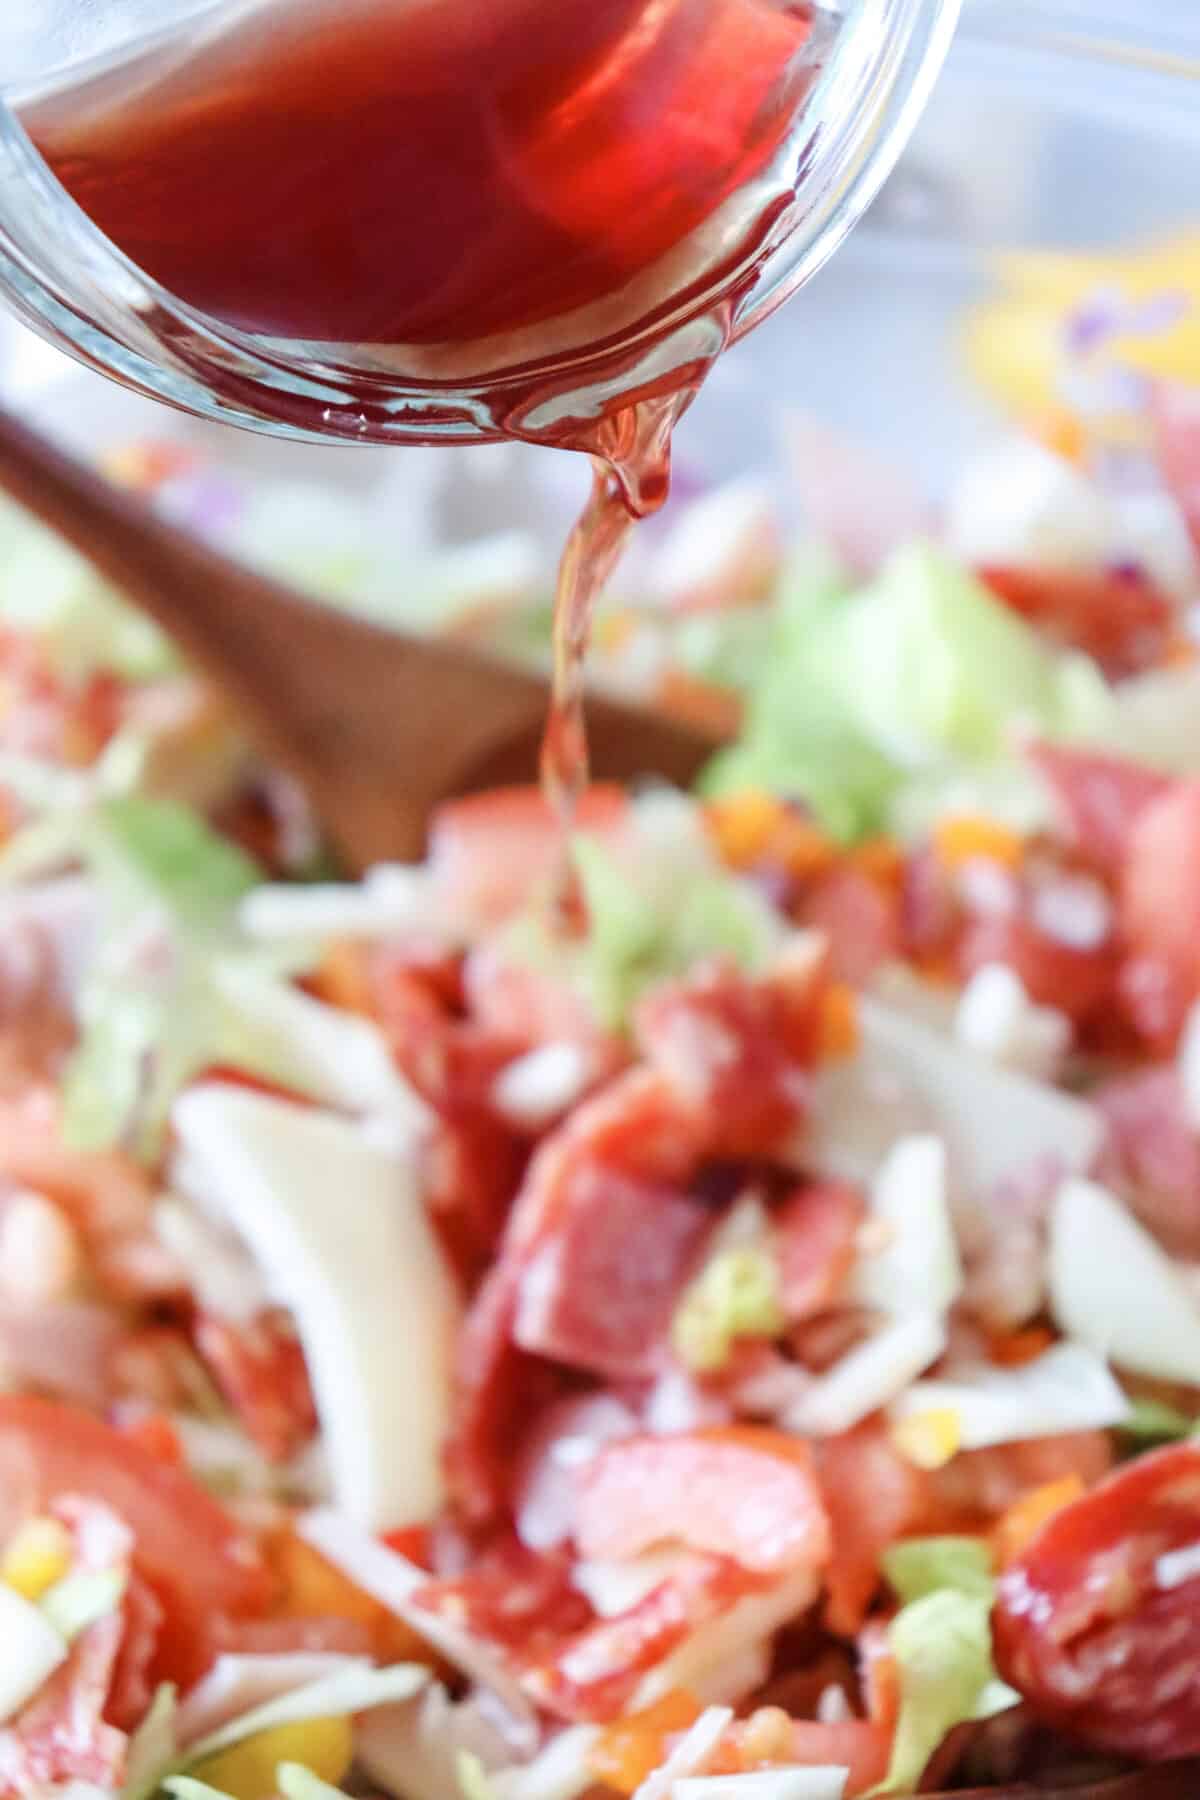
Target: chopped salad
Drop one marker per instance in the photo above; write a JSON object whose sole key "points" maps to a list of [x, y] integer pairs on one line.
{"points": [[728, 1329]]}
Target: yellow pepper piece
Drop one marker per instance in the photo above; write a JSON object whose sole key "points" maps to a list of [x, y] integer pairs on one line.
{"points": [[928, 1440], [37, 1557], [247, 1771]]}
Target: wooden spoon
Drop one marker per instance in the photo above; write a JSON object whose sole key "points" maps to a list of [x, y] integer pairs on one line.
{"points": [[379, 725]]}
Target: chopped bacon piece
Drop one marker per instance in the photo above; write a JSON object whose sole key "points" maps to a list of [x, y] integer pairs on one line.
{"points": [[741, 1492], [1075, 980], [261, 1371], [815, 1235], [872, 1495], [324, 1636], [600, 1292], [859, 917], [1100, 798], [1155, 1155], [1117, 616], [721, 1042], [517, 1600], [132, 1687], [61, 1735], [595, 1673]]}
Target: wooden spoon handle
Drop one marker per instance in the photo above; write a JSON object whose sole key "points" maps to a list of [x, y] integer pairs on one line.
{"points": [[377, 723]]}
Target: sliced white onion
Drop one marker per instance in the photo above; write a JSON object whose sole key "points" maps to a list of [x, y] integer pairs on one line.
{"points": [[997, 1020], [392, 899], [614, 1587], [691, 1754], [413, 1748], [561, 1771], [340, 1230], [993, 1121], [868, 1377], [393, 1580], [916, 1268], [332, 1055], [812, 1783], [1066, 1389], [1114, 1289], [721, 550], [1019, 503], [717, 1662], [32, 1650], [222, 1275], [537, 1088], [240, 1684]]}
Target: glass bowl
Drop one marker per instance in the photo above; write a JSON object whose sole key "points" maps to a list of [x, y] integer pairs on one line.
{"points": [[69, 282]]}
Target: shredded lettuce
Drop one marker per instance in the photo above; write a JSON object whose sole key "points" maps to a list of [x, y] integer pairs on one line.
{"points": [[735, 1295], [78, 1601], [942, 1644], [919, 1566], [149, 1020], [350, 1690], [153, 1746], [81, 623], [652, 914], [904, 684]]}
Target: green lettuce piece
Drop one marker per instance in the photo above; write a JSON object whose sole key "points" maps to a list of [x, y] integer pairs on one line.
{"points": [[735, 1295], [82, 624], [942, 1644], [473, 1780], [153, 1747], [186, 1787], [914, 679], [154, 851], [626, 943], [1153, 1422], [143, 1035], [927, 659], [916, 1567]]}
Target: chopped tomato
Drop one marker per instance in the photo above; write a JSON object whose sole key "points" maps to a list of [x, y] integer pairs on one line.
{"points": [[742, 1492], [861, 1746], [872, 1495], [815, 1235], [1160, 892], [154, 1432], [491, 852], [1117, 616], [1097, 1622], [191, 1553], [631, 1748]]}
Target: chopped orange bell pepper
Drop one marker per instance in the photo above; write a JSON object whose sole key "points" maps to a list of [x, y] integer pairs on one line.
{"points": [[1016, 1528], [970, 837], [839, 1033], [630, 1749]]}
